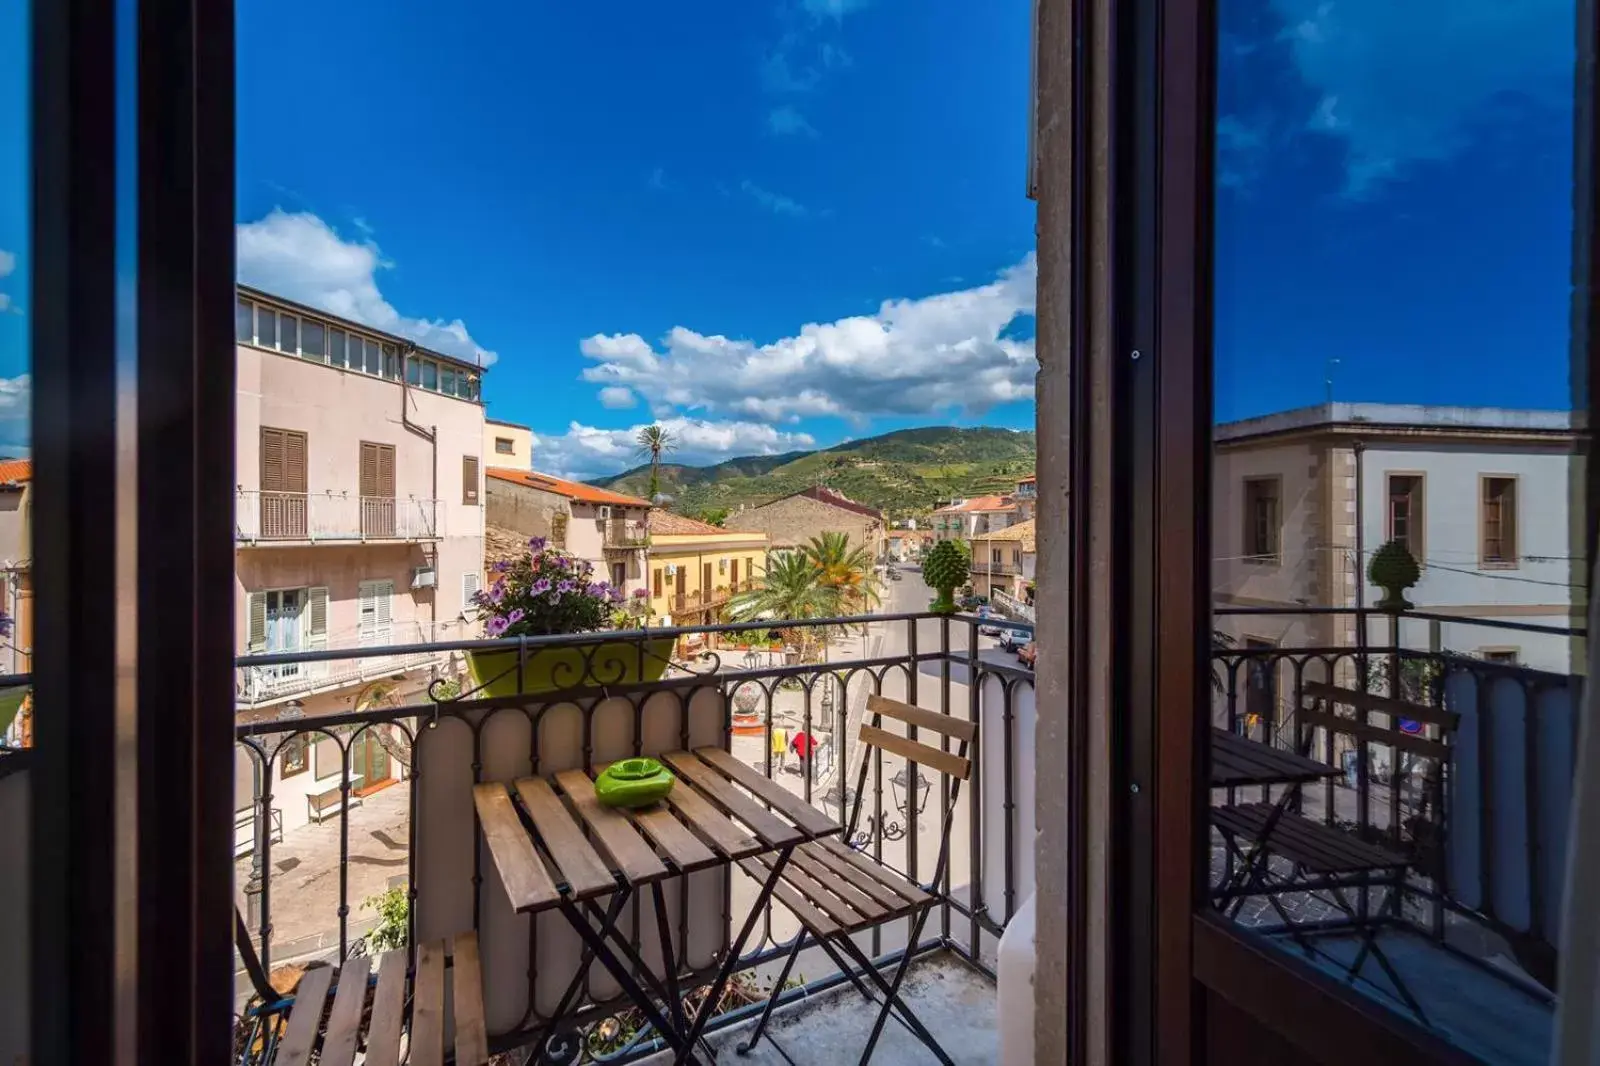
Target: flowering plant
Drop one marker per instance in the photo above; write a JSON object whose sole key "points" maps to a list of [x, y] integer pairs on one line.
{"points": [[544, 592]]}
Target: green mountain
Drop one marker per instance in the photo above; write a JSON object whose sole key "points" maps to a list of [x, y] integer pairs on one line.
{"points": [[900, 473]]}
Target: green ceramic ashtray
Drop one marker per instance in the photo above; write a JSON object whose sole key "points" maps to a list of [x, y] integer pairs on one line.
{"points": [[633, 783]]}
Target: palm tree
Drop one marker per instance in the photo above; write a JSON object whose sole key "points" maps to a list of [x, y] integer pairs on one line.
{"points": [[653, 442], [791, 587], [846, 569]]}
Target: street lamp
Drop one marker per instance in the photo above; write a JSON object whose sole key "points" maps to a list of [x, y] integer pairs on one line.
{"points": [[897, 786]]}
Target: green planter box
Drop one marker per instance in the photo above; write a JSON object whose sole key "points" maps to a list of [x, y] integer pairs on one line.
{"points": [[550, 669]]}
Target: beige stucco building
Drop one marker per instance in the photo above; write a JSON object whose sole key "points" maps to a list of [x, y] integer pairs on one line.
{"points": [[604, 528], [507, 444], [796, 518], [696, 568], [359, 523]]}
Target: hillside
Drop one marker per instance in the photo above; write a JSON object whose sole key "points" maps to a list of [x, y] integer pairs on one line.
{"points": [[901, 473]]}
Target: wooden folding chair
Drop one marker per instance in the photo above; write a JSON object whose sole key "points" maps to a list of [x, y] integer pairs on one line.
{"points": [[835, 891], [287, 1029]]}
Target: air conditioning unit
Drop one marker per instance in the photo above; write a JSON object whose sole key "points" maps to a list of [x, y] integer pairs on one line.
{"points": [[672, 571], [424, 577]]}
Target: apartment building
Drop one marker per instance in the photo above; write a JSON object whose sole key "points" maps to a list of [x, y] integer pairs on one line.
{"points": [[800, 516], [16, 563], [507, 444], [696, 568], [1003, 561], [604, 528], [1480, 496], [359, 523]]}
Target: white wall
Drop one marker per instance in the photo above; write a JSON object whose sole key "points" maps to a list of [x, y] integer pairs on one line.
{"points": [[1452, 576]]}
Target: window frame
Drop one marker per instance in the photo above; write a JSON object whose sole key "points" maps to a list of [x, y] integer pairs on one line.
{"points": [[1416, 542], [510, 446], [1274, 558], [1489, 652], [1514, 562], [471, 480]]}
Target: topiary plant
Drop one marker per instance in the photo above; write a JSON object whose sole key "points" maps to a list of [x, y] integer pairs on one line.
{"points": [[945, 569], [1393, 569]]}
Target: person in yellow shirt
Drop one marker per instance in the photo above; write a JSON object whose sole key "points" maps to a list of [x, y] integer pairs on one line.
{"points": [[780, 747]]}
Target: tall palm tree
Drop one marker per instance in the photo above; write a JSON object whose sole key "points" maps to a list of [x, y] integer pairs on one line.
{"points": [[791, 588], [845, 569], [654, 442]]}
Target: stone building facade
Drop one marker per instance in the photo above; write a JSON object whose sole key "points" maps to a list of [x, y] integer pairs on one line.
{"points": [[796, 518]]}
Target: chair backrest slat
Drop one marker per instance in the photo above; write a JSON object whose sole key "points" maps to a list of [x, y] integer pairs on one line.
{"points": [[955, 728], [957, 766]]}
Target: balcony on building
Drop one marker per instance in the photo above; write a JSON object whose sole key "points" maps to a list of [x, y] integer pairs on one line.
{"points": [[281, 518]]}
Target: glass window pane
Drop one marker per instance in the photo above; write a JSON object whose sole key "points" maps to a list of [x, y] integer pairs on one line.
{"points": [[266, 327], [374, 357], [391, 362], [244, 322], [336, 347], [311, 340], [413, 370], [430, 374], [447, 381], [1397, 379], [288, 334]]}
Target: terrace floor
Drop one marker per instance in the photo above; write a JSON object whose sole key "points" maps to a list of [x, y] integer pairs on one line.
{"points": [[954, 1001]]}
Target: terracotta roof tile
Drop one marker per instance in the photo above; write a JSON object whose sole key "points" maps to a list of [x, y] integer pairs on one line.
{"points": [[669, 524], [1022, 531], [572, 490], [15, 471]]}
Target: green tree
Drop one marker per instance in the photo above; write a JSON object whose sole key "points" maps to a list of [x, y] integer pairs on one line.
{"points": [[845, 569], [791, 588], [715, 516], [654, 442]]}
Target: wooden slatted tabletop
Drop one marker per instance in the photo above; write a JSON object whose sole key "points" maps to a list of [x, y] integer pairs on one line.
{"points": [[1237, 761], [552, 840]]}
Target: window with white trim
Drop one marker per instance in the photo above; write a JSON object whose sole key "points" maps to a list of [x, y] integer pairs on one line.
{"points": [[471, 582], [375, 618]]}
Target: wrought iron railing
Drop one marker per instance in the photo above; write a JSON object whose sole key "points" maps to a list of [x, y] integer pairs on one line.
{"points": [[434, 751], [1487, 830]]}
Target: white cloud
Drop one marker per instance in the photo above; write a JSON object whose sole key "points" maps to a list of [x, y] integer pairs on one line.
{"points": [[300, 257], [15, 396], [950, 351], [8, 262], [1402, 83], [777, 203], [615, 396], [589, 451], [787, 121]]}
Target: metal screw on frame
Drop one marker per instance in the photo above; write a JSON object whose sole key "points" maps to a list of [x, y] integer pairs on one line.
{"points": [[1135, 355]]}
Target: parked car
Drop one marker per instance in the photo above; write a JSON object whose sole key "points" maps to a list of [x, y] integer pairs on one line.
{"points": [[989, 631]]}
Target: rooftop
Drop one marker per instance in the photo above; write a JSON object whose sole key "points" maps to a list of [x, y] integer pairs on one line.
{"points": [[572, 490], [15, 471], [832, 497], [667, 523], [502, 422], [1022, 531], [261, 295], [980, 503], [1401, 417]]}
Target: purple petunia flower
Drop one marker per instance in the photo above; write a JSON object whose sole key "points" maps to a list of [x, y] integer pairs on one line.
{"points": [[616, 596], [640, 594], [517, 614], [565, 585], [497, 627], [501, 567], [537, 544], [497, 591], [540, 587]]}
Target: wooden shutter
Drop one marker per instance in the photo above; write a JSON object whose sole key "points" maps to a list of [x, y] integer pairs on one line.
{"points": [[656, 581], [375, 619], [369, 469], [294, 461], [733, 575], [257, 640], [272, 454], [377, 470], [386, 471], [316, 618], [469, 479], [705, 579]]}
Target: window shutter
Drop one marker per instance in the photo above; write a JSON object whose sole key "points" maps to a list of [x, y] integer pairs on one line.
{"points": [[471, 582], [386, 471], [258, 622], [316, 618], [384, 591], [369, 469], [294, 461], [469, 479], [271, 460]]}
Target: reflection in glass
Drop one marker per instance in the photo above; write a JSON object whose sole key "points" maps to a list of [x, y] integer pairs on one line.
{"points": [[1398, 590]]}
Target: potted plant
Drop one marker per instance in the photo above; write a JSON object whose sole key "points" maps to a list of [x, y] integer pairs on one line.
{"points": [[746, 715], [1393, 569], [945, 569], [548, 592]]}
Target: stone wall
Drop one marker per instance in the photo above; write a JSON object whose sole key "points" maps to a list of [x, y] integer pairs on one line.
{"points": [[525, 510], [796, 519]]}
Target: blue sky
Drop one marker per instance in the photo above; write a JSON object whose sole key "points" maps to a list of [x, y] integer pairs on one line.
{"points": [[783, 223]]}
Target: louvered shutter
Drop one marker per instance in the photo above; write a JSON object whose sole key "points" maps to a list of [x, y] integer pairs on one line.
{"points": [[294, 461], [385, 591], [386, 471], [257, 639], [369, 469], [375, 626], [471, 582], [271, 460], [469, 479], [316, 618]]}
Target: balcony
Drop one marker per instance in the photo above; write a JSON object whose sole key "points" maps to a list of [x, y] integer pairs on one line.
{"points": [[702, 600], [308, 888], [624, 535], [1483, 830], [274, 679], [279, 518]]}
